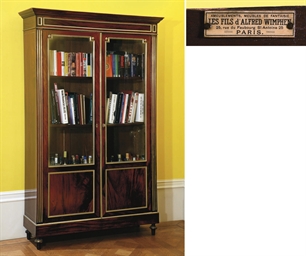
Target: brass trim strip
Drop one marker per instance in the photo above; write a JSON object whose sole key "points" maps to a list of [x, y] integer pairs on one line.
{"points": [[100, 128], [128, 215], [85, 220], [39, 96], [150, 27], [73, 214], [153, 124]]}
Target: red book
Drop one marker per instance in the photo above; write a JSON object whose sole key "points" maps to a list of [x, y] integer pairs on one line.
{"points": [[109, 65], [59, 63]]}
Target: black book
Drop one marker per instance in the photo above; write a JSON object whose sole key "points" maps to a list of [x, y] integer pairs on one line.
{"points": [[118, 107]]}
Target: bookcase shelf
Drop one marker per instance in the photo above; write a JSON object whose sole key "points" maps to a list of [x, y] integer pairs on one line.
{"points": [[90, 160], [71, 126], [126, 124]]}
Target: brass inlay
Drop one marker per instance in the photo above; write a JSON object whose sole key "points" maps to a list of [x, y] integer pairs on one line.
{"points": [[85, 220], [40, 134], [153, 125], [39, 21], [104, 25], [154, 28]]}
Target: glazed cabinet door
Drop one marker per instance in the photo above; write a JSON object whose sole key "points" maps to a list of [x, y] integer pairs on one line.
{"points": [[126, 176], [71, 177]]}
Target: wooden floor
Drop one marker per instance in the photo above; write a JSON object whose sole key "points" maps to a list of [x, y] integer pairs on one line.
{"points": [[168, 241]]}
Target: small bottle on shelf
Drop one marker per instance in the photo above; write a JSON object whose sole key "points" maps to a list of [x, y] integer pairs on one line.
{"points": [[65, 158], [55, 159], [127, 156]]}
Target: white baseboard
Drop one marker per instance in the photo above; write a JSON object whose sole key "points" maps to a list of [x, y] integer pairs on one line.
{"points": [[11, 215], [170, 207]]}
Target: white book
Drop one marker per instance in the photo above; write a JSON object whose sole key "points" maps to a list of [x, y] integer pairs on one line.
{"points": [[71, 109], [112, 109], [53, 62], [62, 54], [107, 109], [130, 108], [140, 108], [135, 102], [62, 105]]}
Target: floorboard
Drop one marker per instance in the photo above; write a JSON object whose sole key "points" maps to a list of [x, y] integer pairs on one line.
{"points": [[168, 241]]}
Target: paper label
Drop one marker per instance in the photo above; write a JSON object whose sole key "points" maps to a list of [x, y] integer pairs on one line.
{"points": [[249, 24]]}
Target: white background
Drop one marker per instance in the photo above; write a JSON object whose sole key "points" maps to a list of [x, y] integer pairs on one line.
{"points": [[245, 145]]}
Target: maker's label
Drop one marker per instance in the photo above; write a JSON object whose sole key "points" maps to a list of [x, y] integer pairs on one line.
{"points": [[249, 23]]}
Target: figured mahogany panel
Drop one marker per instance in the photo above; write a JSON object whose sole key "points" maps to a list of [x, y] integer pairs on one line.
{"points": [[70, 193], [126, 189]]}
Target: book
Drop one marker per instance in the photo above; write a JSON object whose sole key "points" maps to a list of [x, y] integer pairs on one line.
{"points": [[127, 65], [84, 64], [112, 109], [121, 65], [66, 69], [140, 108], [109, 65], [89, 64], [115, 65], [80, 109], [53, 106], [108, 106], [121, 109], [135, 102], [83, 109], [67, 105], [72, 62], [125, 108], [133, 65], [53, 62], [128, 97], [60, 63], [107, 109], [130, 108], [62, 105], [118, 107], [56, 102], [71, 107], [90, 110], [78, 64]]}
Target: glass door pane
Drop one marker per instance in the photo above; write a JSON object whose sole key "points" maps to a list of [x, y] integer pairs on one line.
{"points": [[71, 108], [125, 76]]}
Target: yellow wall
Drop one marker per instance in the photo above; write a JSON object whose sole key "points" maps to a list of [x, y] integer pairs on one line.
{"points": [[170, 81]]}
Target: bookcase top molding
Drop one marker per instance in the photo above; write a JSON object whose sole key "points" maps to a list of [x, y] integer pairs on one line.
{"points": [[89, 15], [271, 25], [51, 18]]}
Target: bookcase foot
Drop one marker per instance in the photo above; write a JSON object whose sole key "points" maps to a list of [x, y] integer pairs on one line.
{"points": [[29, 235], [38, 242], [153, 228]]}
